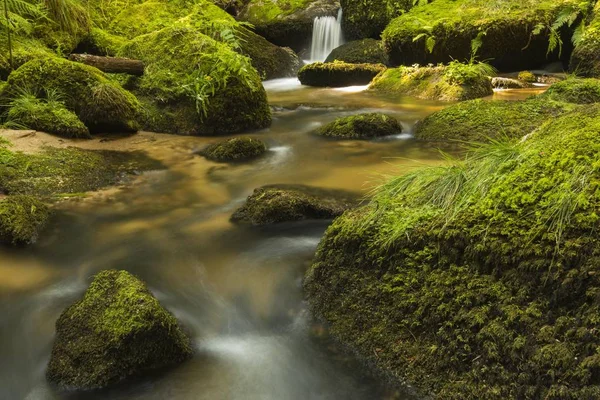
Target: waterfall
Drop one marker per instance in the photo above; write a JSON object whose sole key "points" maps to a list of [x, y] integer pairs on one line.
{"points": [[327, 35]]}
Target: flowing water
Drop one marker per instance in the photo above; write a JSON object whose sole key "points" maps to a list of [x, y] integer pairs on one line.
{"points": [[326, 36], [237, 290]]}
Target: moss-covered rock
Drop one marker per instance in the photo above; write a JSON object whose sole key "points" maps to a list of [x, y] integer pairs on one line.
{"points": [[366, 51], [443, 30], [196, 85], [367, 19], [482, 120], [287, 23], [454, 82], [22, 219], [24, 50], [362, 126], [101, 104], [338, 74], [527, 76], [573, 90], [233, 150], [46, 116], [286, 203], [269, 60], [509, 83], [116, 331], [585, 60], [479, 279]]}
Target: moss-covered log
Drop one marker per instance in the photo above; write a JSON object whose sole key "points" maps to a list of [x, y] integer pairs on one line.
{"points": [[367, 51], [115, 65]]}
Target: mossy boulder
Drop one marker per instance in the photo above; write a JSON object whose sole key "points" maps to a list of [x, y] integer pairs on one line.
{"points": [[287, 203], [196, 85], [574, 90], [22, 219], [101, 104], [454, 82], [24, 50], [234, 150], [338, 74], [287, 23], [482, 120], [46, 116], [362, 126], [509, 83], [585, 60], [478, 279], [367, 19], [443, 30], [117, 330], [270, 61], [366, 51], [527, 76]]}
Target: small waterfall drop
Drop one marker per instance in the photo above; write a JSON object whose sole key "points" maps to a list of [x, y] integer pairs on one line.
{"points": [[327, 35]]}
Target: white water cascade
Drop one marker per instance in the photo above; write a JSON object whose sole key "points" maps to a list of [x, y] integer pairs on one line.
{"points": [[327, 35]]}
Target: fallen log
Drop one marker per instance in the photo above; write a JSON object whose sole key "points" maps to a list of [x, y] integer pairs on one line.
{"points": [[111, 64]]}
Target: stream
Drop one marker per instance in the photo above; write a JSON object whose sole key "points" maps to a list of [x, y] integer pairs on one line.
{"points": [[237, 290]]}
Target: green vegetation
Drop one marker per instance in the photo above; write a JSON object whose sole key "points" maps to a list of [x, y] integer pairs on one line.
{"points": [[22, 219], [585, 60], [362, 126], [574, 90], [285, 203], [512, 35], [454, 82], [336, 74], [478, 279], [116, 331], [236, 149], [527, 76], [366, 51], [368, 18], [101, 104]]}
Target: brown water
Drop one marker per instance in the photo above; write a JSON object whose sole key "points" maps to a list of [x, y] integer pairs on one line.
{"points": [[238, 290]]}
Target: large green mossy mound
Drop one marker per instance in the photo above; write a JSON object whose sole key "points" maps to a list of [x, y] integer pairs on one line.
{"points": [[196, 85], [22, 219], [362, 126], [573, 90], [235, 150], [116, 331], [514, 35], [454, 82], [479, 279], [44, 115], [286, 22], [338, 74], [367, 19], [585, 60], [287, 203], [101, 104], [366, 51]]}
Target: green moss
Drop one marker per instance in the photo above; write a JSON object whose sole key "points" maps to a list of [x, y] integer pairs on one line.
{"points": [[573, 90], [478, 279], [366, 51], [101, 104], [585, 60], [22, 219], [24, 50], [285, 203], [236, 149], [527, 76], [116, 331], [258, 12], [336, 74], [481, 120], [367, 19], [454, 82], [46, 116], [101, 42], [362, 126], [505, 28], [199, 85], [56, 172]]}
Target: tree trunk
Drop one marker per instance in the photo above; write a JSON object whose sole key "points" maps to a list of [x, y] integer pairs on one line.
{"points": [[111, 64]]}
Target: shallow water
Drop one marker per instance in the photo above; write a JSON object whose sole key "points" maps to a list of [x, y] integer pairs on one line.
{"points": [[237, 290]]}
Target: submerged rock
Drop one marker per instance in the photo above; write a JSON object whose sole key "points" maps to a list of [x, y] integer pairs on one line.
{"points": [[367, 51], [285, 203], [22, 219], [338, 74], [362, 126], [453, 82], [116, 331], [236, 149], [100, 103]]}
